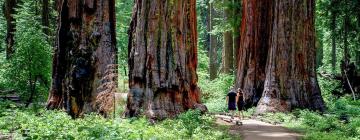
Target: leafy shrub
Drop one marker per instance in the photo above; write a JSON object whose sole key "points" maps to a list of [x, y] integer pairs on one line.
{"points": [[214, 92], [250, 112], [323, 136], [346, 105], [28, 71], [278, 118], [326, 126], [27, 124]]}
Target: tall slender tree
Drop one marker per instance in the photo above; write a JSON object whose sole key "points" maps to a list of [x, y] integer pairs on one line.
{"points": [[334, 14], [84, 64], [163, 59], [227, 52], [9, 11], [213, 55], [236, 19], [45, 16]]}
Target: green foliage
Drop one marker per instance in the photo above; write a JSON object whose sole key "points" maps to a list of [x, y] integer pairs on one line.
{"points": [[2, 70], [203, 64], [277, 118], [214, 92], [324, 13], [328, 126], [193, 119], [2, 47], [28, 70], [327, 88], [27, 124], [123, 15]]}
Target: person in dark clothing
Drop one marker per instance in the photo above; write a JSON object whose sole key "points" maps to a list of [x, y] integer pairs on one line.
{"points": [[231, 102], [240, 103]]}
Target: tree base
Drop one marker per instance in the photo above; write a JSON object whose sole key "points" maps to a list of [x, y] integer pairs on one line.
{"points": [[272, 105], [160, 105]]}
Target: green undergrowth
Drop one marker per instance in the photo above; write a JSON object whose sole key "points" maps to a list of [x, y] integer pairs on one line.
{"points": [[40, 124], [214, 92], [340, 122]]}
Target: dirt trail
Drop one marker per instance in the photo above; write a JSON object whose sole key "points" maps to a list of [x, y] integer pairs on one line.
{"points": [[257, 130]]}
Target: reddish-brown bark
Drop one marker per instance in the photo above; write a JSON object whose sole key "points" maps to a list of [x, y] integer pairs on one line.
{"points": [[163, 59], [291, 80], [255, 32], [276, 61], [84, 64]]}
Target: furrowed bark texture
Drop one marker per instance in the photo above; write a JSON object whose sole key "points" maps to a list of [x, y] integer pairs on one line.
{"points": [[163, 59], [84, 64], [291, 80], [255, 32], [9, 11]]}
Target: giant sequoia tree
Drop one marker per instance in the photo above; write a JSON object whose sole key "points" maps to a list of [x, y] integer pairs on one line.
{"points": [[84, 64], [277, 57], [253, 51], [163, 59]]}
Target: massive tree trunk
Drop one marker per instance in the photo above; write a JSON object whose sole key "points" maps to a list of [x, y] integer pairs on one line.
{"points": [[9, 11], [163, 59], [227, 52], [84, 64], [254, 45], [291, 80], [213, 56]]}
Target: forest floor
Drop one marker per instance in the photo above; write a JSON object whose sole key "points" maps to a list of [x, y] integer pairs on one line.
{"points": [[257, 130]]}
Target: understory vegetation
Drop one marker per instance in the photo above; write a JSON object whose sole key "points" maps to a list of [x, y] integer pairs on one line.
{"points": [[28, 76], [22, 123], [340, 121]]}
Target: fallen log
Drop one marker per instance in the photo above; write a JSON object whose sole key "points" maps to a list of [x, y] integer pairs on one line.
{"points": [[7, 92], [229, 119], [14, 98]]}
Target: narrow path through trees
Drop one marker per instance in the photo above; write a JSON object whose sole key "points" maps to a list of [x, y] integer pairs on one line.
{"points": [[257, 130]]}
